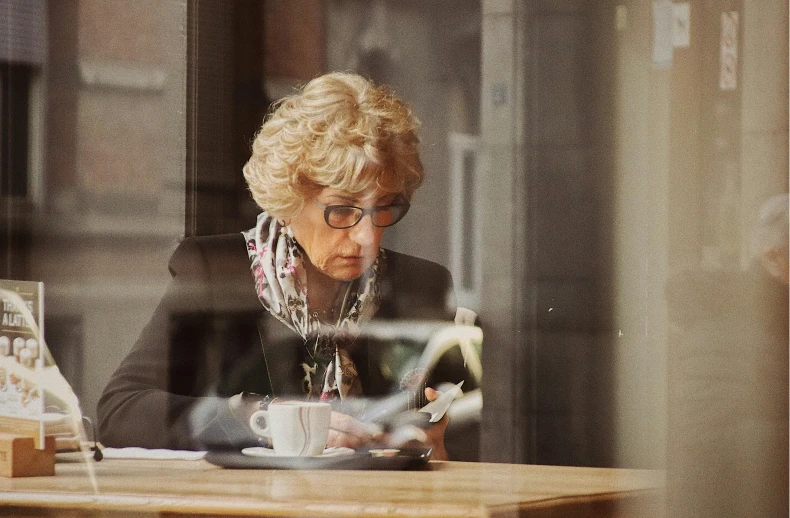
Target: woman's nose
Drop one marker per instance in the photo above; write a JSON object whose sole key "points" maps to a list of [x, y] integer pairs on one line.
{"points": [[364, 233]]}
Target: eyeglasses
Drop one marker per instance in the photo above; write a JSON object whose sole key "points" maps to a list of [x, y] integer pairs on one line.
{"points": [[346, 216]]}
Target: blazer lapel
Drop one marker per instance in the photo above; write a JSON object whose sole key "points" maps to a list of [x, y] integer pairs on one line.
{"points": [[282, 352]]}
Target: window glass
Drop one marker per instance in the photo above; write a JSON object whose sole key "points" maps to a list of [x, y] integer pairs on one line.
{"points": [[603, 182]]}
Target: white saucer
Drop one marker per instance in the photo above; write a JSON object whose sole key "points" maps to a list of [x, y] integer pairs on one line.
{"points": [[262, 451]]}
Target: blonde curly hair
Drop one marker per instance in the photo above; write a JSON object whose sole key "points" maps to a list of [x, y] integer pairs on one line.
{"points": [[339, 131]]}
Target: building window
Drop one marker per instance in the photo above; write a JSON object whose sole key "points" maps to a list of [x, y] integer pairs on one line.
{"points": [[14, 103]]}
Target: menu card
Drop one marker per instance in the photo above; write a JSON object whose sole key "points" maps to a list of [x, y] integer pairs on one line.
{"points": [[22, 353]]}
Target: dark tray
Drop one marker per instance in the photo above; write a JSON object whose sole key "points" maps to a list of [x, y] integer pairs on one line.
{"points": [[406, 459]]}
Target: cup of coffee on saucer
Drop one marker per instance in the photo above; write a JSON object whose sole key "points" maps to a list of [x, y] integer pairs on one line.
{"points": [[295, 428]]}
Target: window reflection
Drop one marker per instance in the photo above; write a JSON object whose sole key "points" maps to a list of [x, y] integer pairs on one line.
{"points": [[593, 188]]}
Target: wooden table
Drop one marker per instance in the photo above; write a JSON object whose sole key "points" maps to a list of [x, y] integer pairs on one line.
{"points": [[448, 489]]}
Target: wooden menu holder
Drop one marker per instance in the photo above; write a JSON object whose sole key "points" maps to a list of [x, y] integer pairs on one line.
{"points": [[20, 458]]}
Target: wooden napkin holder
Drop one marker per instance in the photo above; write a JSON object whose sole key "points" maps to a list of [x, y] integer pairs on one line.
{"points": [[19, 456]]}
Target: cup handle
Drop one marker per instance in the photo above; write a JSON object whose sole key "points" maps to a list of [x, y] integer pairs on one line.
{"points": [[264, 431]]}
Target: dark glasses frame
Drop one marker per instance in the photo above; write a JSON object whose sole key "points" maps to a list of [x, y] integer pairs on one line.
{"points": [[329, 209]]}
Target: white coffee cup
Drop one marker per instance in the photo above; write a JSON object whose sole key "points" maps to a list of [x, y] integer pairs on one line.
{"points": [[296, 428]]}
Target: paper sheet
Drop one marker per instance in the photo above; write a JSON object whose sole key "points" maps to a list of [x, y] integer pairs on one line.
{"points": [[144, 453]]}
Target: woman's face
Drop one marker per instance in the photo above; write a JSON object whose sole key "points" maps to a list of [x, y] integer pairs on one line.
{"points": [[342, 254]]}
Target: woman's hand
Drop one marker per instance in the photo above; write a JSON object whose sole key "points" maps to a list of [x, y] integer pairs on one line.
{"points": [[346, 431], [418, 437], [435, 434]]}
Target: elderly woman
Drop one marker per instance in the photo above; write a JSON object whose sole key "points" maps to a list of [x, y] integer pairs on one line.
{"points": [[276, 311]]}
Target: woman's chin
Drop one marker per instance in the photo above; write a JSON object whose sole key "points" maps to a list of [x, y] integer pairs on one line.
{"points": [[347, 272]]}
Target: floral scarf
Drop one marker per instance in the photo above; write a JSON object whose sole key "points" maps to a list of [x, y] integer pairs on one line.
{"points": [[278, 267]]}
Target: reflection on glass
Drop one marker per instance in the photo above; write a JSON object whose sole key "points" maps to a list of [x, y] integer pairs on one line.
{"points": [[604, 237]]}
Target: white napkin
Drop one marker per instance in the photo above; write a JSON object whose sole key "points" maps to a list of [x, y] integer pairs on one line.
{"points": [[144, 453]]}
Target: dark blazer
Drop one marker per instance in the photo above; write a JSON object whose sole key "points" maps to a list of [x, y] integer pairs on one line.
{"points": [[211, 338]]}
